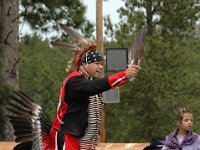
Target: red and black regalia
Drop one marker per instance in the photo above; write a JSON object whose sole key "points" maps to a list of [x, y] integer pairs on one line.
{"points": [[77, 123]]}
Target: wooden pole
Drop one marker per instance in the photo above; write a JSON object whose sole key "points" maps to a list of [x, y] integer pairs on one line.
{"points": [[99, 27], [100, 48]]}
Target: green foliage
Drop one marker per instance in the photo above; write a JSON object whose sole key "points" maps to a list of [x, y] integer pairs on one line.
{"points": [[45, 16], [5, 91], [42, 71], [169, 78], [1, 65]]}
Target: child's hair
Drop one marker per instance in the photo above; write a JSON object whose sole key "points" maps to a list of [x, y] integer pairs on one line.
{"points": [[181, 112]]}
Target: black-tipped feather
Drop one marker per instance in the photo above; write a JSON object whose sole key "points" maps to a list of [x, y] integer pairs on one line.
{"points": [[20, 102], [17, 113], [75, 35], [23, 146], [17, 110], [20, 122], [16, 127], [29, 100], [65, 45], [24, 95], [22, 133], [26, 137]]}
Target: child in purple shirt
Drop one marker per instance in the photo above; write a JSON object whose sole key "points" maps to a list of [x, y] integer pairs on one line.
{"points": [[183, 138]]}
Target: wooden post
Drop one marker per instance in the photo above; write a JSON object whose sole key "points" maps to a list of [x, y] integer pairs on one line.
{"points": [[100, 48], [99, 27]]}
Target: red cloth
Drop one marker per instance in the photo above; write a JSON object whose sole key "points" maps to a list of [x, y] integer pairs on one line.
{"points": [[117, 79], [73, 143]]}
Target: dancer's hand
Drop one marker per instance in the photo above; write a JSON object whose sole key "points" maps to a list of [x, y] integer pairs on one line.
{"points": [[132, 71]]}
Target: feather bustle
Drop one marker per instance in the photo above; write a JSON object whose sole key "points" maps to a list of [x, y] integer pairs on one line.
{"points": [[30, 123]]}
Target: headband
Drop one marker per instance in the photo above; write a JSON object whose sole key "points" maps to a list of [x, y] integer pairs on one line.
{"points": [[90, 57]]}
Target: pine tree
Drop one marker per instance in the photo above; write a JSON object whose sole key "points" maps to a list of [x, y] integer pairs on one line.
{"points": [[161, 87]]}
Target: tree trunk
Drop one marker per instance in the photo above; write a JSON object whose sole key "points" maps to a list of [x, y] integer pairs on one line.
{"points": [[149, 18], [9, 45]]}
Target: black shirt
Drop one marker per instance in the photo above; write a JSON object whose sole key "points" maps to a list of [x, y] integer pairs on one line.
{"points": [[77, 92]]}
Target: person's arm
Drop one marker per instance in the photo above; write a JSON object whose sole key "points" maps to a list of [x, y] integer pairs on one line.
{"points": [[120, 78], [79, 86]]}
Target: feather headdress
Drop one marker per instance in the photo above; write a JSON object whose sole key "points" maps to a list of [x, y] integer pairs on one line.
{"points": [[80, 48]]}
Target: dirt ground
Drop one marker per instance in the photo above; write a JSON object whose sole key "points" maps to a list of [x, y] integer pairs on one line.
{"points": [[122, 146], [101, 146], [7, 145]]}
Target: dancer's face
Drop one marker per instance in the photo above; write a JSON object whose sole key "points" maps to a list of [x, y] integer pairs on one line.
{"points": [[94, 69]]}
